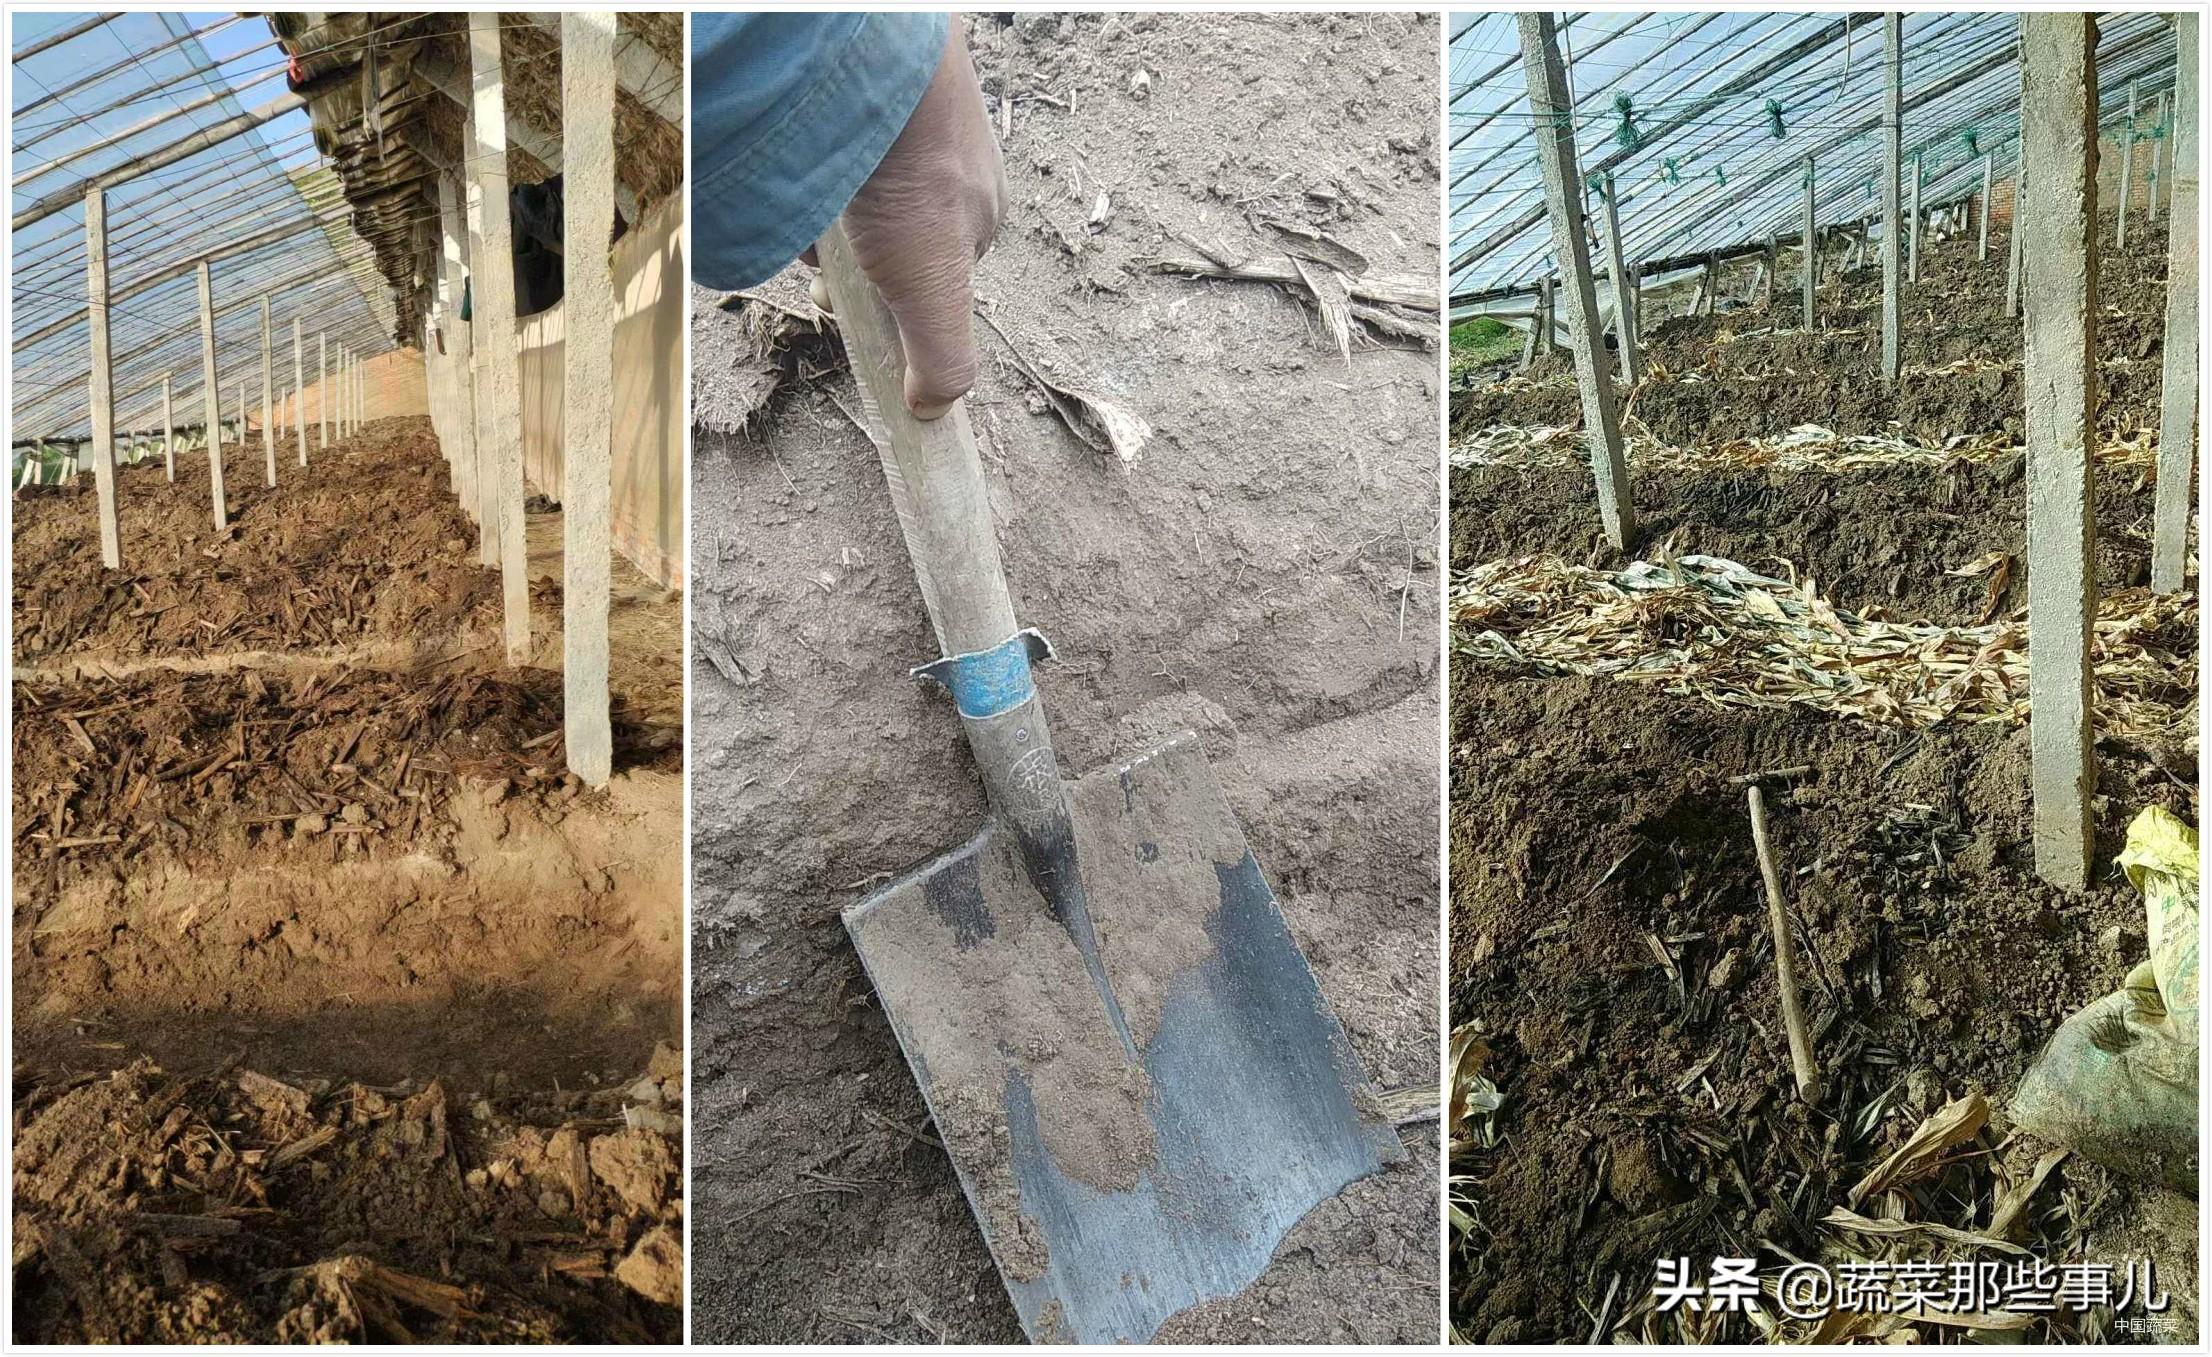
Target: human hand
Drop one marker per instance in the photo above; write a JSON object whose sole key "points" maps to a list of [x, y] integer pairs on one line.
{"points": [[920, 223]]}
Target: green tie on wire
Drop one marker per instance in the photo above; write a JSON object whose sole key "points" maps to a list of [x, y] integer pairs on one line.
{"points": [[1669, 171], [1628, 135], [1774, 119], [1973, 142]]}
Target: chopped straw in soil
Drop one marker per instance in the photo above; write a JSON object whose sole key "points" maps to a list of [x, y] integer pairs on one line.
{"points": [[1712, 628], [238, 1207]]}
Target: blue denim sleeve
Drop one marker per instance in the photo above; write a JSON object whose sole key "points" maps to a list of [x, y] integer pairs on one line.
{"points": [[790, 115]]}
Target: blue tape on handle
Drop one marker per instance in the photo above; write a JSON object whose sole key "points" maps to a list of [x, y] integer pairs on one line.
{"points": [[992, 681], [985, 683]]}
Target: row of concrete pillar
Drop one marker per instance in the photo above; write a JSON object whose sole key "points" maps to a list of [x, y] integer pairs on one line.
{"points": [[2055, 265], [346, 391], [473, 371]]}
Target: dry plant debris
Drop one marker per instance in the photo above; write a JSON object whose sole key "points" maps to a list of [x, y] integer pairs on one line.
{"points": [[239, 1207], [1712, 628], [1805, 448]]}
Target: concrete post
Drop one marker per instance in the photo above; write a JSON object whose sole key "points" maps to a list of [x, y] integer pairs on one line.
{"points": [[499, 407], [587, 421], [2127, 168], [1982, 210], [461, 386], [2059, 126], [2160, 145], [168, 431], [1624, 292], [2012, 268], [268, 401], [2177, 425], [1812, 245], [1555, 154], [1893, 121], [487, 522], [1919, 225], [322, 389], [102, 393], [211, 396], [299, 390]]}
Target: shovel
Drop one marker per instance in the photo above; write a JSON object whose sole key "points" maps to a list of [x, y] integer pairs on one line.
{"points": [[1131, 1066]]}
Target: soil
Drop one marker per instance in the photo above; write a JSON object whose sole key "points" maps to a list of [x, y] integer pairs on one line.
{"points": [[279, 805], [1608, 926], [1878, 537], [1770, 375], [1930, 955], [1264, 575], [324, 560], [240, 1207]]}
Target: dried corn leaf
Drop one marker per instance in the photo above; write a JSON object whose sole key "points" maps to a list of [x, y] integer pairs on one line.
{"points": [[1808, 447], [1708, 627], [1959, 1120], [1845, 1219]]}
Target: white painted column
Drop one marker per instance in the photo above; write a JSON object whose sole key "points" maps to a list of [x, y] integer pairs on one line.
{"points": [[1982, 256], [2059, 126], [2177, 426], [587, 420], [1555, 154], [484, 476], [2127, 168], [460, 433], [1624, 291], [168, 431], [1919, 224], [2161, 149], [1893, 259], [102, 384], [322, 388], [1812, 244], [212, 397], [268, 401], [299, 390], [499, 407]]}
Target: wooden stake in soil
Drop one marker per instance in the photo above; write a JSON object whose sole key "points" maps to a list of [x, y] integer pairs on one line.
{"points": [[168, 430], [1555, 154], [1802, 1063], [2177, 432], [322, 390], [587, 145]]}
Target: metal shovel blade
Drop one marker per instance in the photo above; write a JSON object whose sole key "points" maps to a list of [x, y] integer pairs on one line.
{"points": [[1134, 1149]]}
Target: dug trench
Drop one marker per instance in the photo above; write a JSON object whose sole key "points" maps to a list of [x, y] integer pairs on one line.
{"points": [[353, 984], [1245, 578], [1609, 940], [1611, 966]]}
